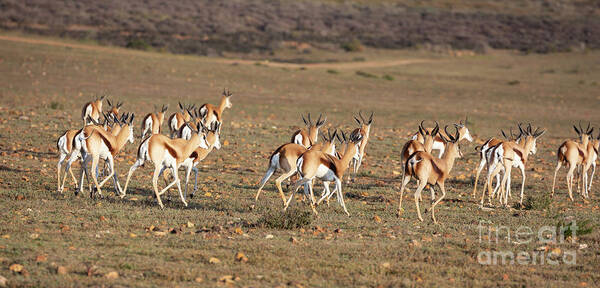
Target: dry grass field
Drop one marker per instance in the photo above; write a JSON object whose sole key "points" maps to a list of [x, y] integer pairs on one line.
{"points": [[65, 240]]}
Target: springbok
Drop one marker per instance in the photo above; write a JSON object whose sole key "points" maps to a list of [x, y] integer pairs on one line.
{"points": [[212, 140], [428, 169], [364, 130], [574, 154], [213, 113], [153, 122], [414, 145], [308, 136], [284, 158], [438, 142], [100, 144], [179, 118], [483, 157], [510, 154], [318, 164], [64, 146], [165, 152], [92, 110]]}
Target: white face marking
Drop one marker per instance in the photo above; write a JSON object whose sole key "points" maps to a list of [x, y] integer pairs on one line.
{"points": [[228, 103]]}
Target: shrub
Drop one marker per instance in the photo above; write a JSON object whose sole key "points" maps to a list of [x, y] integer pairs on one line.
{"points": [[331, 71], [388, 77], [138, 44], [538, 203], [353, 46], [514, 82], [583, 228], [290, 219], [55, 105], [365, 74]]}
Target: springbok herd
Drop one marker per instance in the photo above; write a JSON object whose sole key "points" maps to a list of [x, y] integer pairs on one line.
{"points": [[194, 133]]}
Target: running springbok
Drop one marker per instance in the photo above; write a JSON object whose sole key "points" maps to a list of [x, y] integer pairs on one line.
{"points": [[92, 110], [414, 145], [212, 140], [510, 154], [573, 154], [364, 130], [165, 152], [100, 144], [213, 113], [179, 118], [483, 157], [318, 164], [153, 121], [308, 136], [438, 142], [285, 157], [64, 146], [428, 169]]}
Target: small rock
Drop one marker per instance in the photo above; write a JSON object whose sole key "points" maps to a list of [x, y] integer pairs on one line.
{"points": [[214, 260], [269, 236], [61, 270], [240, 257], [199, 279], [112, 275]]}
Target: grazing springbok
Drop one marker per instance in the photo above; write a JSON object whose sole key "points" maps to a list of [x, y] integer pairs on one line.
{"points": [[483, 157], [285, 157], [510, 154], [153, 121], [574, 154], [428, 169], [179, 118], [92, 110], [318, 164], [100, 144], [212, 140], [364, 129], [213, 113], [165, 152], [438, 142], [308, 136]]}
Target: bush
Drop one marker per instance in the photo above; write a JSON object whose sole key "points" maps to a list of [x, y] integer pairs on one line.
{"points": [[583, 228], [331, 71], [138, 44], [365, 74], [55, 105], [514, 82], [353, 46], [539, 203], [290, 219], [388, 77]]}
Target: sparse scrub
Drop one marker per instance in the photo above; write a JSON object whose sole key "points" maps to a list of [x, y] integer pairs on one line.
{"points": [[332, 71], [353, 46], [366, 74], [540, 203], [290, 219], [388, 77]]}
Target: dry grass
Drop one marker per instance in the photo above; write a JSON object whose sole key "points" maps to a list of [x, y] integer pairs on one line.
{"points": [[43, 88]]}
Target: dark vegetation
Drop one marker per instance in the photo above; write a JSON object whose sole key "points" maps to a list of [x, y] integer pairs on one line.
{"points": [[211, 27]]}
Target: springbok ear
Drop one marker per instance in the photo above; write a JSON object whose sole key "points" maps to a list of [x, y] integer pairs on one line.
{"points": [[576, 130], [131, 119], [109, 103], [504, 134], [119, 105], [539, 134], [305, 122], [164, 108], [591, 131], [357, 121], [180, 105], [102, 98], [370, 119]]}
